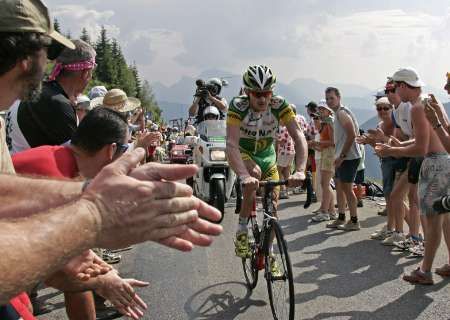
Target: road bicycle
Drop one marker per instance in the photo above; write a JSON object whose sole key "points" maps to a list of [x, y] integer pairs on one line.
{"points": [[280, 286]]}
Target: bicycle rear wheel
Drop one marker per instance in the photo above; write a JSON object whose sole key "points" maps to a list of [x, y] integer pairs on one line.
{"points": [[250, 264], [280, 287]]}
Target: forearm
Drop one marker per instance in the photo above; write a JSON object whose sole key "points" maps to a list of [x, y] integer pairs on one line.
{"points": [[219, 104], [301, 153], [34, 248], [412, 150], [61, 281], [193, 109], [24, 196], [407, 142]]}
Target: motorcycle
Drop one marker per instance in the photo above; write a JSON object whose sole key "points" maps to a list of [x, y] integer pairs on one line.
{"points": [[215, 179]]}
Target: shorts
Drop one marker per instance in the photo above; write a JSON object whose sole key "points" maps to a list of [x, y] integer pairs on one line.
{"points": [[359, 178], [434, 181], [347, 171], [266, 160], [414, 170], [327, 159], [401, 164], [285, 160], [388, 173]]}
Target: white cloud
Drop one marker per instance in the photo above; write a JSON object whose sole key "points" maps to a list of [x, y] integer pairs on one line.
{"points": [[331, 41], [76, 17]]}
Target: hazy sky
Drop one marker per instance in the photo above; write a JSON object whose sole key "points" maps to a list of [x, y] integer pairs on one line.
{"points": [[345, 41]]}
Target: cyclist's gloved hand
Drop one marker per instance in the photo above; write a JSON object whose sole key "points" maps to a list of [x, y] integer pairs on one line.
{"points": [[296, 179]]}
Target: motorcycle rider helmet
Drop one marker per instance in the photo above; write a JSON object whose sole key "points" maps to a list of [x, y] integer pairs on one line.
{"points": [[259, 78], [211, 113], [215, 85]]}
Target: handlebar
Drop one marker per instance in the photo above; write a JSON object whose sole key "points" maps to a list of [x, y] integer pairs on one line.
{"points": [[307, 183]]}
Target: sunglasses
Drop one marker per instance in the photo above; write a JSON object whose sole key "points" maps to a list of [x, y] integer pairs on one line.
{"points": [[259, 94], [121, 148], [383, 108], [389, 91]]}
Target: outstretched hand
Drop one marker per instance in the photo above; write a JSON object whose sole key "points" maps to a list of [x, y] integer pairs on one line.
{"points": [[86, 265], [140, 204]]}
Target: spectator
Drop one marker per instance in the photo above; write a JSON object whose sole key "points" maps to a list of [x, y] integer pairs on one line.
{"points": [[57, 211], [83, 107], [89, 151], [326, 164], [51, 119], [359, 179], [434, 174], [347, 158], [97, 91], [310, 134], [384, 130], [285, 156]]}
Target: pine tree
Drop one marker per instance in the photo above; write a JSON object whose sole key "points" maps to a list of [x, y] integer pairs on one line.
{"points": [[149, 103], [137, 79], [56, 25], [85, 36], [105, 69]]}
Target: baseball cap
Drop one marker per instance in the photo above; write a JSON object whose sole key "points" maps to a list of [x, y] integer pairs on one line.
{"points": [[382, 100], [97, 91], [29, 16], [323, 104], [380, 93], [409, 76]]}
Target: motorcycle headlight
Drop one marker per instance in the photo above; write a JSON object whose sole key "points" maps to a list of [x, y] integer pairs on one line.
{"points": [[218, 155], [178, 152]]}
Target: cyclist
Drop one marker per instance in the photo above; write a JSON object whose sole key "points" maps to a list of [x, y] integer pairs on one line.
{"points": [[252, 123]]}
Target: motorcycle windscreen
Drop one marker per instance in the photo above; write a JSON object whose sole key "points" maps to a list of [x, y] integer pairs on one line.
{"points": [[213, 129]]}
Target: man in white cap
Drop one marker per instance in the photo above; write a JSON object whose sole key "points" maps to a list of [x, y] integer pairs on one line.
{"points": [[434, 180], [122, 205]]}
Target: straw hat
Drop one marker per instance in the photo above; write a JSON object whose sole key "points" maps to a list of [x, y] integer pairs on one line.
{"points": [[116, 100]]}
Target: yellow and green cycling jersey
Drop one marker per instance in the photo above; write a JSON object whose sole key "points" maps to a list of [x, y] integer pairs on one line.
{"points": [[258, 130]]}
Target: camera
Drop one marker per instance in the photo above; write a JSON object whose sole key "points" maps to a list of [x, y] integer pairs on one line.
{"points": [[202, 89], [442, 205]]}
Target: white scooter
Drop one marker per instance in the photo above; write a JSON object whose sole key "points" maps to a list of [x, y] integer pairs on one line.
{"points": [[215, 179]]}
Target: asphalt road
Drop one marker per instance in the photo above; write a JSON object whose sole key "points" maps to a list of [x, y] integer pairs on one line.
{"points": [[338, 275]]}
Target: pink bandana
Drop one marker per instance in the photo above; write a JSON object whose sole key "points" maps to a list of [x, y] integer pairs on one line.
{"points": [[77, 66]]}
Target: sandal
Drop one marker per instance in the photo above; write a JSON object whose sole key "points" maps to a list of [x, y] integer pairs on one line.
{"points": [[419, 277], [443, 271]]}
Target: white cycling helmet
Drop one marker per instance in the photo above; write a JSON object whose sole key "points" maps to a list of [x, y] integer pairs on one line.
{"points": [[211, 110], [259, 78], [154, 127]]}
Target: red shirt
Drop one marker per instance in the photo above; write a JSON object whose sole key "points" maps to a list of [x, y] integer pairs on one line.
{"points": [[49, 161]]}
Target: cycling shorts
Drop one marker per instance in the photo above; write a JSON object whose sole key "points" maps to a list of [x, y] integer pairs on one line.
{"points": [[267, 162]]}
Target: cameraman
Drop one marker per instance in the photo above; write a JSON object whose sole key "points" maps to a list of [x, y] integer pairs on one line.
{"points": [[208, 95]]}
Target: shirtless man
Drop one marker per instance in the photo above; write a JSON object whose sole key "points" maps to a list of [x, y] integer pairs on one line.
{"points": [[435, 171]]}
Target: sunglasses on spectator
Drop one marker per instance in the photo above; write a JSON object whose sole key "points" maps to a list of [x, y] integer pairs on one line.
{"points": [[389, 91], [259, 94], [121, 148], [383, 108]]}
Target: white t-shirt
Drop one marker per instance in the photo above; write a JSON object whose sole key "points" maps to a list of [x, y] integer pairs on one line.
{"points": [[402, 117], [14, 137]]}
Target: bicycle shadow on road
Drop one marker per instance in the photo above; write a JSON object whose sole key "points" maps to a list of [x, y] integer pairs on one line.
{"points": [[347, 271], [407, 307], [219, 302]]}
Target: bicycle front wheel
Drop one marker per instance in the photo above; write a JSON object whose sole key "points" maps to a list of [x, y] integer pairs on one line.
{"points": [[250, 264], [280, 282]]}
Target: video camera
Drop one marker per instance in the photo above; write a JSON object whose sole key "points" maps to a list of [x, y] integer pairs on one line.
{"points": [[442, 205], [203, 88]]}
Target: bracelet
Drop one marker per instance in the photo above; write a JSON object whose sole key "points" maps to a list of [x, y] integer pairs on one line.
{"points": [[438, 125]]}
